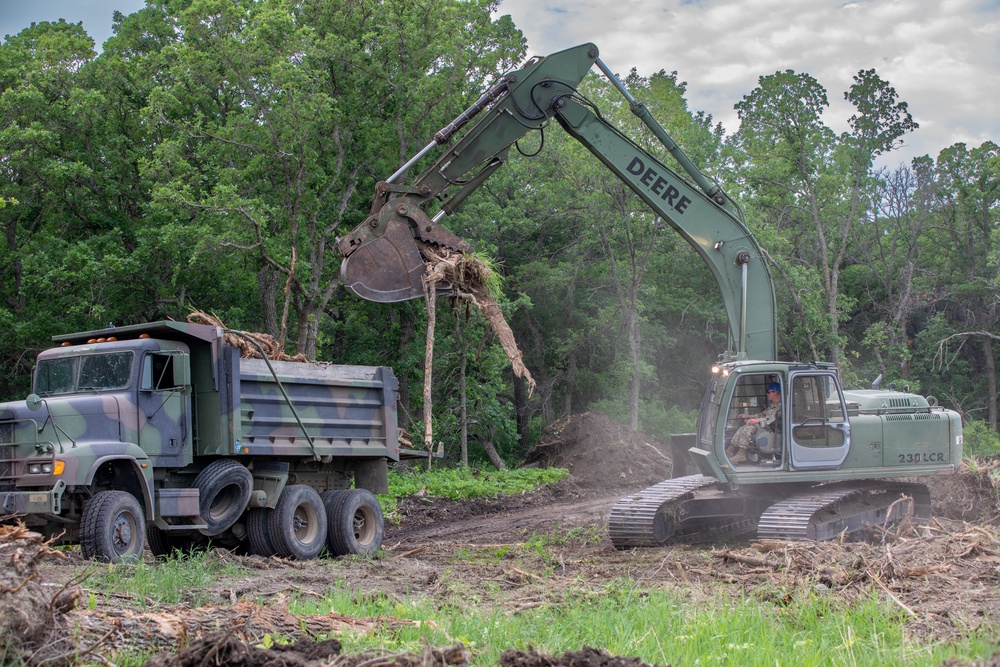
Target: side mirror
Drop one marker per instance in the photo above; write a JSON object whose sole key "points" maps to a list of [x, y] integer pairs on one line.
{"points": [[34, 402]]}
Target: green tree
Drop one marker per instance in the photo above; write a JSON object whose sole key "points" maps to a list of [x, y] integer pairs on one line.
{"points": [[968, 289], [283, 115], [809, 189]]}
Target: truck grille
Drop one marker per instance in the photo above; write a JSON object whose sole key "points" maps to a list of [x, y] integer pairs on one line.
{"points": [[6, 453]]}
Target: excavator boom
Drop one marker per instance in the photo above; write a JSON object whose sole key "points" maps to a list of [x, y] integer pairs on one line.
{"points": [[383, 259]]}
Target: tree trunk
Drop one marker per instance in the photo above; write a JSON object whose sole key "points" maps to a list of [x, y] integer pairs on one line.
{"points": [[991, 382], [407, 330], [308, 316], [570, 383], [491, 451], [463, 408], [635, 352], [267, 287]]}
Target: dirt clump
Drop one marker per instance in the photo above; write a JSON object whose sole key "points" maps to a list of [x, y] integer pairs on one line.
{"points": [[223, 648], [600, 453], [586, 657]]}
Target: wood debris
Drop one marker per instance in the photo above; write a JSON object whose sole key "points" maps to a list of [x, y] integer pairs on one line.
{"points": [[272, 348], [33, 621]]}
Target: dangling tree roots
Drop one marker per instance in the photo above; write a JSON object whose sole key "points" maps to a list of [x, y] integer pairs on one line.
{"points": [[470, 278]]}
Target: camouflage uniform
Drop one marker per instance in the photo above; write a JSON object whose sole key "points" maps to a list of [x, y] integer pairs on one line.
{"points": [[746, 433]]}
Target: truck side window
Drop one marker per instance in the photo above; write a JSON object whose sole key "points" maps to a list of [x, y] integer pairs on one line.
{"points": [[157, 372]]}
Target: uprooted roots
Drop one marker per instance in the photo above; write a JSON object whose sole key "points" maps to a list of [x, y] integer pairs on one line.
{"points": [[32, 615], [470, 278], [273, 349]]}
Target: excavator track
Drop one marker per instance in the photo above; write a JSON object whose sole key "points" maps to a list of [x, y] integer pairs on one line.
{"points": [[658, 515], [829, 512]]}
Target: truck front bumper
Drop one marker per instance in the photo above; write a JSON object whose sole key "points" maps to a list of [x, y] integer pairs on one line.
{"points": [[33, 502]]}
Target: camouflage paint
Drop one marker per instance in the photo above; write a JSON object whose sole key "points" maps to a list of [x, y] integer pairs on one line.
{"points": [[152, 438]]}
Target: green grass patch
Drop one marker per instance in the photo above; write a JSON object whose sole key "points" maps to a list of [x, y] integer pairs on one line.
{"points": [[466, 483], [180, 578], [660, 627]]}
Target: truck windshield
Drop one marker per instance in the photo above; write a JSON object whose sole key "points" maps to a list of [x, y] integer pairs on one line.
{"points": [[86, 373]]}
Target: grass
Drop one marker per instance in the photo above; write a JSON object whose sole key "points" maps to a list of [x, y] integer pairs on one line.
{"points": [[465, 483], [179, 578], [660, 627]]}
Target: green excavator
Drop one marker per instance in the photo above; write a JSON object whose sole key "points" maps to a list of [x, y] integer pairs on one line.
{"points": [[831, 459]]}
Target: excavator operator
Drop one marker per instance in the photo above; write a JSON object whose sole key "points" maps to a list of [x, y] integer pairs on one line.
{"points": [[747, 433]]}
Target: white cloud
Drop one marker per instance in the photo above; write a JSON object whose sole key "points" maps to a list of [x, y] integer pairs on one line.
{"points": [[943, 58]]}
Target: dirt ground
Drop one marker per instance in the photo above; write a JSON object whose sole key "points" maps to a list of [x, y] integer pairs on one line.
{"points": [[516, 554]]}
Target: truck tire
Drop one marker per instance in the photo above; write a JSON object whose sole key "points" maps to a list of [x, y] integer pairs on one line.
{"points": [[224, 489], [162, 544], [297, 524], [356, 523], [113, 528], [258, 534]]}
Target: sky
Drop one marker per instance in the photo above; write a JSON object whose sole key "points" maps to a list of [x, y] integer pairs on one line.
{"points": [[941, 56]]}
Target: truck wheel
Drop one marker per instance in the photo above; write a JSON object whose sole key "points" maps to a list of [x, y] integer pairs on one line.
{"points": [[356, 524], [113, 528], [163, 544], [298, 523], [224, 489], [258, 533]]}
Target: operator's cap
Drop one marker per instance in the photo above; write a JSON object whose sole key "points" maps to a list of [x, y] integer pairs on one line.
{"points": [[774, 386]]}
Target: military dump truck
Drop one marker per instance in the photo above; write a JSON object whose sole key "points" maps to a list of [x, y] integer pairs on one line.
{"points": [[161, 434]]}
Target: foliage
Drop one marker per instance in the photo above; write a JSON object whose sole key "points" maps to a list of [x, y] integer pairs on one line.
{"points": [[466, 483], [980, 439], [213, 151], [654, 419]]}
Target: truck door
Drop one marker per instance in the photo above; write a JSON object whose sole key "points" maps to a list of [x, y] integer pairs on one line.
{"points": [[164, 406], [820, 435]]}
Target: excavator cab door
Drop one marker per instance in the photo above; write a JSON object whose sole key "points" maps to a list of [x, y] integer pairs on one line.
{"points": [[819, 432]]}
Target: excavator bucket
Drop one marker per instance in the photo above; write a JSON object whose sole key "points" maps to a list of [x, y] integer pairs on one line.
{"points": [[382, 261], [387, 268]]}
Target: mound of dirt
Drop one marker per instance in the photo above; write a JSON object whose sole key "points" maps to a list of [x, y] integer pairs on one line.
{"points": [[971, 494], [601, 453], [222, 648]]}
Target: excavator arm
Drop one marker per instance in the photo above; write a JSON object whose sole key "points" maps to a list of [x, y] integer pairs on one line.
{"points": [[382, 259]]}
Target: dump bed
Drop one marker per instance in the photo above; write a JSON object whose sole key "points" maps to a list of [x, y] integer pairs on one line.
{"points": [[347, 411]]}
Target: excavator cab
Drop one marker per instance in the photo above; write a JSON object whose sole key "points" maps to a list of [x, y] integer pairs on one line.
{"points": [[750, 398]]}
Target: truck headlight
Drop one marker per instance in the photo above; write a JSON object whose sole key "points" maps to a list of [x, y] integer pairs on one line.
{"points": [[47, 468]]}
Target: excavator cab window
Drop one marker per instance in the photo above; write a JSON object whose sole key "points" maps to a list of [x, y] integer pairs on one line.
{"points": [[815, 404], [749, 398], [753, 421]]}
